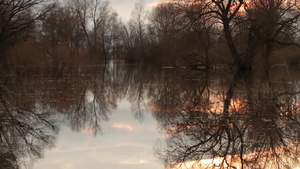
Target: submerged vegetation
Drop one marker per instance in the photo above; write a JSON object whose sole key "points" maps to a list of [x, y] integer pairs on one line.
{"points": [[54, 37]]}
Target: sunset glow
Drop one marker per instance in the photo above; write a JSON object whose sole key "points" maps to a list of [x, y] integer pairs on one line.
{"points": [[88, 130], [159, 3], [123, 126], [263, 158], [161, 109], [206, 163], [131, 162], [216, 106]]}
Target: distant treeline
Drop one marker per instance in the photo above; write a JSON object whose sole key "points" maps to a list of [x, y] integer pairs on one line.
{"points": [[57, 36]]}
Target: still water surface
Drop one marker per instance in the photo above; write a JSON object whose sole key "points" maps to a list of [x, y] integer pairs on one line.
{"points": [[150, 117]]}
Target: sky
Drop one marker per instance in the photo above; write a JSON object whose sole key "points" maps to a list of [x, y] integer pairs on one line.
{"points": [[124, 7]]}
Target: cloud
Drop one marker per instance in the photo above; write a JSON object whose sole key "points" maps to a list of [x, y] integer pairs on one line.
{"points": [[123, 126], [134, 162], [88, 130], [158, 3]]}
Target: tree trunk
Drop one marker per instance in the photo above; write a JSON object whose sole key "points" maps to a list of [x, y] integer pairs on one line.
{"points": [[266, 56], [242, 64]]}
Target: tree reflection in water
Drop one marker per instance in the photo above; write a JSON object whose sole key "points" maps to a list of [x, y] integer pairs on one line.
{"points": [[240, 123], [25, 129], [32, 108], [243, 124]]}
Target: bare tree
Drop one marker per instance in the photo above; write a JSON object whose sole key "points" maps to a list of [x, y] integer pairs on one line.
{"points": [[225, 12], [137, 23], [60, 26], [81, 8], [17, 17], [166, 20], [200, 28], [105, 27], [271, 23]]}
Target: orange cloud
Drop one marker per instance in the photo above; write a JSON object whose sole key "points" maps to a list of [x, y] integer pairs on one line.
{"points": [[134, 162], [123, 126], [88, 130], [158, 3], [234, 160]]}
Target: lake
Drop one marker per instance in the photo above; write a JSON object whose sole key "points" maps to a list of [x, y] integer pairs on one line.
{"points": [[150, 117]]}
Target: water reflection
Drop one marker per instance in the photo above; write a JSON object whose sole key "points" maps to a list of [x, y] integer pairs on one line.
{"points": [[244, 123], [26, 128], [212, 119], [34, 106]]}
